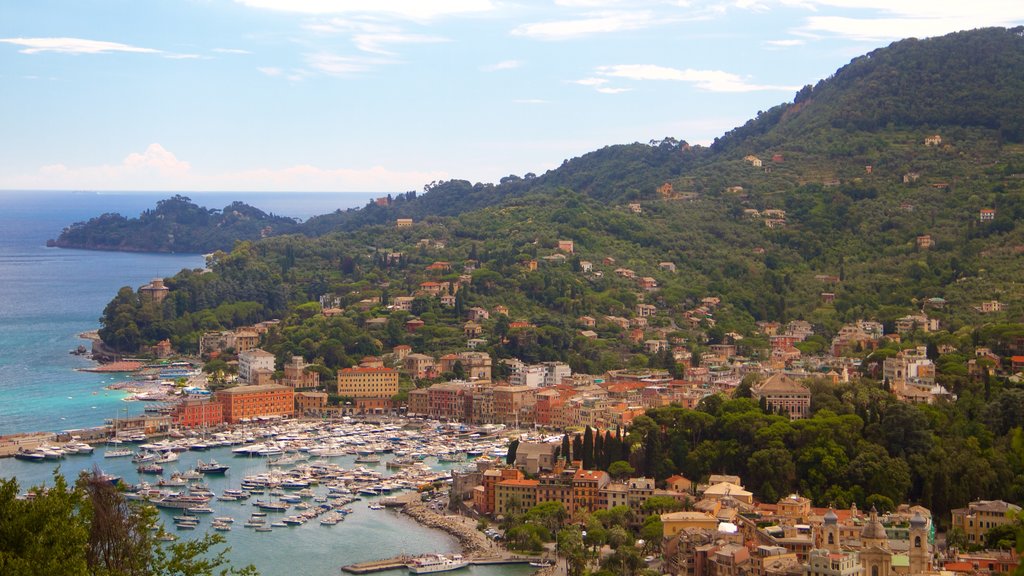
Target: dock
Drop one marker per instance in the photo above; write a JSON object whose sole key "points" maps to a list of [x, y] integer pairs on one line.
{"points": [[401, 562]]}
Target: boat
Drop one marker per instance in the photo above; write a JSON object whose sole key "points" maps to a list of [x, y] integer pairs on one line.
{"points": [[224, 519], [168, 456], [118, 453], [151, 468], [541, 564], [30, 455], [141, 457], [181, 501], [211, 467], [437, 563], [262, 528]]}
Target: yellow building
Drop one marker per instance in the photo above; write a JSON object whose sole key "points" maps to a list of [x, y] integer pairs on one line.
{"points": [[981, 516], [511, 496], [675, 522], [360, 382]]}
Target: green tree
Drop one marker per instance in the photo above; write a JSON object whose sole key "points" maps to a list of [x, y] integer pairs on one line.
{"points": [[620, 470]]}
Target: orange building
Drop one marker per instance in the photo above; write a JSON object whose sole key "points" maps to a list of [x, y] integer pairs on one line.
{"points": [[197, 412], [248, 402]]}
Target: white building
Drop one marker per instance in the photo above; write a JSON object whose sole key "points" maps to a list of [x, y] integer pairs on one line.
{"points": [[252, 361]]}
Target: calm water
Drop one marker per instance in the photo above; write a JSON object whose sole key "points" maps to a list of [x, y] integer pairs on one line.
{"points": [[311, 549], [49, 295]]}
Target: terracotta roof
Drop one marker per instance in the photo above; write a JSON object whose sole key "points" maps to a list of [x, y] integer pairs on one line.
{"points": [[780, 383]]}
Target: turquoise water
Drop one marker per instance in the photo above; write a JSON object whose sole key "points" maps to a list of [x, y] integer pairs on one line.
{"points": [[310, 549], [50, 295]]}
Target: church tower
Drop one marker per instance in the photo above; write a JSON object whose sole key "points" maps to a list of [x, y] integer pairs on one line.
{"points": [[831, 531], [919, 557], [875, 555]]}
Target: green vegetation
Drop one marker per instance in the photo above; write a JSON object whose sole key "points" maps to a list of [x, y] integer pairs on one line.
{"points": [[845, 188], [176, 225], [89, 529]]}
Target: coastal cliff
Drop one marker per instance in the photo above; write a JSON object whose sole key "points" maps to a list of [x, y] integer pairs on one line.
{"points": [[176, 225]]}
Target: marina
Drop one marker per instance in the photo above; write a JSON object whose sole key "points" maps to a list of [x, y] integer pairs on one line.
{"points": [[310, 502]]}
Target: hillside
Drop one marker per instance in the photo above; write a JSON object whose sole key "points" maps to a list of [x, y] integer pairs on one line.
{"points": [[175, 225]]}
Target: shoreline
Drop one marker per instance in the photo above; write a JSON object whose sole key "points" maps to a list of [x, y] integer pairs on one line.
{"points": [[471, 541]]}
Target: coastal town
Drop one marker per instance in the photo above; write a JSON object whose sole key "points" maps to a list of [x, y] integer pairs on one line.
{"points": [[505, 440]]}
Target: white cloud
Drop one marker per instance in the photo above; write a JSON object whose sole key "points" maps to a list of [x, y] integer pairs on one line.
{"points": [[602, 23], [337, 65], [784, 43], [887, 20], [610, 90], [81, 46], [271, 71], [231, 51], [158, 169], [371, 36], [709, 80], [76, 46], [416, 10], [375, 43], [503, 65], [591, 81]]}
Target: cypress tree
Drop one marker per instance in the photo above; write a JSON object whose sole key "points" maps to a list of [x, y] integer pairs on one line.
{"points": [[566, 450], [577, 447], [599, 453], [588, 449]]}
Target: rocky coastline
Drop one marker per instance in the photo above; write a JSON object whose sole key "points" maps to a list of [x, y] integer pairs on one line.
{"points": [[472, 541]]}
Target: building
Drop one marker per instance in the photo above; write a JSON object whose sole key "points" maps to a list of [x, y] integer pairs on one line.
{"points": [[244, 403], [297, 376], [197, 413], [981, 516], [310, 403], [514, 495], [451, 401], [783, 395], [476, 366], [675, 522], [535, 457], [371, 388], [155, 290], [252, 361], [420, 366], [827, 563], [403, 222]]}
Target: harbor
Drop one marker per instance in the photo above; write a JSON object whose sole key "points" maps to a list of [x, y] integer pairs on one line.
{"points": [[304, 478]]}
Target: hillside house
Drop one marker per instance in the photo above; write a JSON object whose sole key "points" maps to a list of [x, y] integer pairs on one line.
{"points": [[634, 207], [924, 241], [933, 140], [403, 222], [784, 395], [586, 266], [987, 215], [753, 160], [565, 246], [667, 266]]}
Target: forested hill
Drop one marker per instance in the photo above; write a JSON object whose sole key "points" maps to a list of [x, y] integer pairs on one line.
{"points": [[966, 85], [965, 79], [175, 225]]}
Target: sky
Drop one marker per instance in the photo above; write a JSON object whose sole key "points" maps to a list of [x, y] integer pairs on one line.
{"points": [[389, 95]]}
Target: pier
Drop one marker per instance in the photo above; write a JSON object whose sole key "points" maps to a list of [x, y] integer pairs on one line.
{"points": [[401, 562]]}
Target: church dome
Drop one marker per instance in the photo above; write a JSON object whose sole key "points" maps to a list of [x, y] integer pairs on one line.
{"points": [[830, 517], [918, 521]]}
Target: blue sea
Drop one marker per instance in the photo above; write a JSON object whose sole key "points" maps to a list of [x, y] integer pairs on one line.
{"points": [[48, 296]]}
